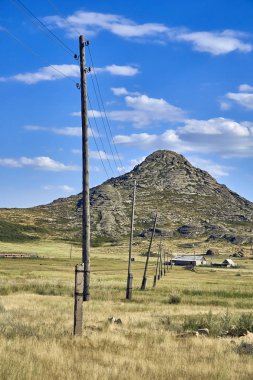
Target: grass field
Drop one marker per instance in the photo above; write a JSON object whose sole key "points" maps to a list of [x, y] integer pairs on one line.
{"points": [[36, 318]]}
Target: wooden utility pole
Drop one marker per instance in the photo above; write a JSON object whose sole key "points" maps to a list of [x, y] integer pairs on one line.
{"points": [[129, 274], [82, 273], [161, 260], [78, 308], [144, 280], [164, 263], [85, 159], [156, 270]]}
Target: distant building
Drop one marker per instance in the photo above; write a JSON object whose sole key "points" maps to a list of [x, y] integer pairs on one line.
{"points": [[228, 263], [185, 260]]}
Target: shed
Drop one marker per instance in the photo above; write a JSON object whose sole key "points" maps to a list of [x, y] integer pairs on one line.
{"points": [[228, 263], [185, 260]]}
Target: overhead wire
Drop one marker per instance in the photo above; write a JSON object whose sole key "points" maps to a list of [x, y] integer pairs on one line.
{"points": [[103, 122], [104, 111], [21, 5], [52, 4], [95, 141], [97, 129], [36, 54]]}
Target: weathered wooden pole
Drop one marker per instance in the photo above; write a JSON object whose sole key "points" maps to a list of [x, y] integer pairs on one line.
{"points": [[78, 306], [144, 280], [161, 261], [156, 270], [164, 263], [85, 164], [129, 274]]}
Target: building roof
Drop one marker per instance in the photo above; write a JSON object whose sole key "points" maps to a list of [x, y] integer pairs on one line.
{"points": [[228, 261], [189, 257]]}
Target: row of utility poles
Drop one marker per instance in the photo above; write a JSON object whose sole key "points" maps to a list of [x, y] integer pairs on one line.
{"points": [[82, 271]]}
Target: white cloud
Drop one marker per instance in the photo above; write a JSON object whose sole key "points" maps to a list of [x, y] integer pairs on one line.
{"points": [[65, 131], [243, 99], [131, 164], [119, 91], [143, 111], [220, 136], [245, 88], [216, 43], [127, 71], [216, 170], [46, 74], [216, 126], [101, 155], [65, 188], [91, 23], [225, 106], [55, 72], [40, 163], [35, 128]]}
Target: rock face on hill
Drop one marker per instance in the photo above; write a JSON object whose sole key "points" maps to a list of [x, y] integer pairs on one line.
{"points": [[189, 202]]}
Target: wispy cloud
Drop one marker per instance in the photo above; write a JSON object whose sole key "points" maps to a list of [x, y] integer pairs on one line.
{"points": [[216, 170], [56, 72], [65, 188], [131, 164], [216, 43], [142, 111], [244, 97], [47, 73], [127, 71], [122, 91], [101, 155], [91, 23], [65, 131], [38, 163]]}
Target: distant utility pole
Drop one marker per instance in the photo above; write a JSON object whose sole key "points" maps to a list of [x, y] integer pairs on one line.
{"points": [[129, 274], [84, 268], [156, 269], [144, 280], [164, 262]]}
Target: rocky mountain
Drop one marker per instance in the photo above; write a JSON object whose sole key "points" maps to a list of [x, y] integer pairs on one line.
{"points": [[188, 200]]}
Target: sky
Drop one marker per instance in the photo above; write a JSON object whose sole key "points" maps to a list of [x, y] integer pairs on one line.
{"points": [[164, 75]]}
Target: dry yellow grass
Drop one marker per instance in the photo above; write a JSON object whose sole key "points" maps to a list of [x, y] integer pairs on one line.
{"points": [[36, 319]]}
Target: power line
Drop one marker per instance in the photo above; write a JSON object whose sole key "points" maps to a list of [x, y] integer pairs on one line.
{"points": [[65, 19], [96, 124], [37, 55], [20, 4], [93, 134], [103, 122], [99, 91], [100, 95]]}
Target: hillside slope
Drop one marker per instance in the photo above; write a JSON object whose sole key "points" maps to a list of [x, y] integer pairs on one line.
{"points": [[190, 202]]}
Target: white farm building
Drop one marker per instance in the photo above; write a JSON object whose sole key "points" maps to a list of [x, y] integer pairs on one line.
{"points": [[185, 260]]}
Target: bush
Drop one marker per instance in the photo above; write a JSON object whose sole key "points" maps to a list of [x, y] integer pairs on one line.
{"points": [[245, 349], [244, 323], [174, 299]]}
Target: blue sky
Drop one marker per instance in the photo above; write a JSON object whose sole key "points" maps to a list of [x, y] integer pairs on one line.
{"points": [[172, 75]]}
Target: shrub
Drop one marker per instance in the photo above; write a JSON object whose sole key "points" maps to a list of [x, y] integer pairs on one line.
{"points": [[244, 348], [174, 299]]}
